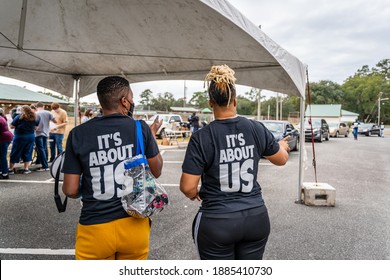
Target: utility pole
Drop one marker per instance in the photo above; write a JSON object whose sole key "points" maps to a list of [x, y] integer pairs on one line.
{"points": [[185, 94], [379, 106], [281, 108], [258, 104], [268, 111]]}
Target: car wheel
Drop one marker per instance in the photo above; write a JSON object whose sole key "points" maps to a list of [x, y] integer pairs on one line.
{"points": [[296, 148], [346, 135], [337, 134], [368, 133], [321, 138]]}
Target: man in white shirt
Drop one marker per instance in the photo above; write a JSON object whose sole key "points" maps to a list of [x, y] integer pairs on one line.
{"points": [[382, 130], [41, 135]]}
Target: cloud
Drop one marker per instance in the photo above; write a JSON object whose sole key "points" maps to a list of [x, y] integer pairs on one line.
{"points": [[335, 38]]}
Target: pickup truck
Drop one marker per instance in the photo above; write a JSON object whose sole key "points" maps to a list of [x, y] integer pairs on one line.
{"points": [[172, 125]]}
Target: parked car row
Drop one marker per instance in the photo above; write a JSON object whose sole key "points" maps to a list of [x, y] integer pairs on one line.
{"points": [[282, 129], [322, 131], [316, 127]]}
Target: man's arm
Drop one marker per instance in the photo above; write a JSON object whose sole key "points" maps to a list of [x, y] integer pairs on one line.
{"points": [[71, 184], [155, 165]]}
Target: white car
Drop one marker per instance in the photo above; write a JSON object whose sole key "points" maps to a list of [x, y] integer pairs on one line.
{"points": [[171, 122]]}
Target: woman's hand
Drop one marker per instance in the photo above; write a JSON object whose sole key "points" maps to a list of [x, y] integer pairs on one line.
{"points": [[284, 144]]}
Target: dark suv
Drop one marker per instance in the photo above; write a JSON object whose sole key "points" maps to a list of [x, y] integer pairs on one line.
{"points": [[320, 129]]}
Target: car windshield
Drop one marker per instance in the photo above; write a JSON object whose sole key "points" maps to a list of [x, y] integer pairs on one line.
{"points": [[365, 125], [274, 127], [333, 125], [315, 123]]}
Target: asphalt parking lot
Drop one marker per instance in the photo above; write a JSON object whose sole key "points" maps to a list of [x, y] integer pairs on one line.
{"points": [[357, 228]]}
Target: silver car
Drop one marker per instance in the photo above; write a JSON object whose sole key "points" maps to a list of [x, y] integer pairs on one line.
{"points": [[336, 129]]}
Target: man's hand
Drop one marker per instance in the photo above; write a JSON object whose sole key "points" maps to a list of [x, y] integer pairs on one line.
{"points": [[155, 126]]}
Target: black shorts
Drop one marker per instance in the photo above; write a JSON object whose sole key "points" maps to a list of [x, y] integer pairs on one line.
{"points": [[232, 236]]}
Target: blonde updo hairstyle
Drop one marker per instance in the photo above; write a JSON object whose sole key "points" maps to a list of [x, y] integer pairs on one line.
{"points": [[221, 85]]}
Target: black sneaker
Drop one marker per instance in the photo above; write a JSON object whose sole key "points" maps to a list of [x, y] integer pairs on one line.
{"points": [[4, 177], [27, 171], [11, 172]]}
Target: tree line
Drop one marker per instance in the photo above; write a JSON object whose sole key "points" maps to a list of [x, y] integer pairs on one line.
{"points": [[359, 93]]}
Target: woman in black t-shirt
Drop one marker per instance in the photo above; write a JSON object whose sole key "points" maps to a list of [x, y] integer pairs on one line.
{"points": [[232, 222]]}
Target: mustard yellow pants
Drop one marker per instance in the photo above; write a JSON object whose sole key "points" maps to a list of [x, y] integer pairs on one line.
{"points": [[122, 239]]}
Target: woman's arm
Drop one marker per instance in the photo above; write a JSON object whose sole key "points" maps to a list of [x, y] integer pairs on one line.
{"points": [[281, 157], [189, 185]]}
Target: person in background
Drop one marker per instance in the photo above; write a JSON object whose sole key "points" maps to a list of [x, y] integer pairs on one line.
{"points": [[16, 111], [25, 125], [42, 134], [57, 134], [355, 129], [382, 127], [232, 222], [33, 108], [3, 115], [99, 112], [88, 114], [94, 168], [194, 121], [5, 140]]}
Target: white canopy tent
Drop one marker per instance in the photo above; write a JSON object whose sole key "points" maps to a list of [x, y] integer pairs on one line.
{"points": [[68, 46]]}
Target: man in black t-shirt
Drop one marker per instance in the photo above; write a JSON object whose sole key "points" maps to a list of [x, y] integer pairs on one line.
{"points": [[194, 121], [97, 150]]}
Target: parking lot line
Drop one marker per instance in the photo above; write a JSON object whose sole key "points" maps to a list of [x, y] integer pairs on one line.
{"points": [[50, 181], [40, 251]]}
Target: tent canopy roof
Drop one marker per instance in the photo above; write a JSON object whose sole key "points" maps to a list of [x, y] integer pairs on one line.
{"points": [[56, 41]]}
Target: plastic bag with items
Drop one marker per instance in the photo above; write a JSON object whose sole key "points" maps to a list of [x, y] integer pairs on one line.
{"points": [[143, 194]]}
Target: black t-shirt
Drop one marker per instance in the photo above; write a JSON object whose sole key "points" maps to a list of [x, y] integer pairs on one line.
{"points": [[195, 121], [226, 154], [97, 149]]}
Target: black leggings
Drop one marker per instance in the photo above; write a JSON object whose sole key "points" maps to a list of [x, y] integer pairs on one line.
{"points": [[232, 236]]}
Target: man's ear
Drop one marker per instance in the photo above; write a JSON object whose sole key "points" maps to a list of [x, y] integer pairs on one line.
{"points": [[123, 101]]}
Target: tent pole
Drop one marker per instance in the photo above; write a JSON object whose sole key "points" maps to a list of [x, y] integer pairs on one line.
{"points": [[301, 148], [22, 25]]}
